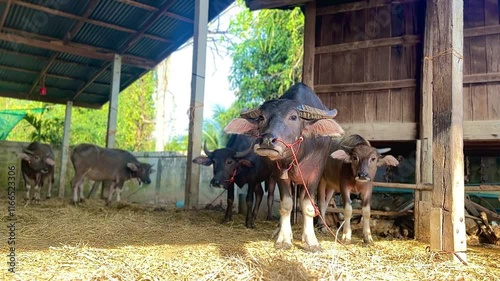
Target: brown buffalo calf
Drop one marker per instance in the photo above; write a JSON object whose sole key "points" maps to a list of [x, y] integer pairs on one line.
{"points": [[351, 168]]}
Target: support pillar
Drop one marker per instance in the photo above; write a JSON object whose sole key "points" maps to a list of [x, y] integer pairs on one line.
{"points": [[309, 44], [65, 150], [447, 220], [196, 106]]}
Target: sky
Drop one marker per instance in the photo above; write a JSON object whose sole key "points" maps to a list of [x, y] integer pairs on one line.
{"points": [[217, 88]]}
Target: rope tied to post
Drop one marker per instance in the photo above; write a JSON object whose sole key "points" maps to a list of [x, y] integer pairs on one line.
{"points": [[444, 53]]}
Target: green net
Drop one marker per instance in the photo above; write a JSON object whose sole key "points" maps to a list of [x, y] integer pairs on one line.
{"points": [[11, 117]]}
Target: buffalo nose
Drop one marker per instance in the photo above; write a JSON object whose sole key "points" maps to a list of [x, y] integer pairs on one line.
{"points": [[147, 182], [268, 139], [362, 175]]}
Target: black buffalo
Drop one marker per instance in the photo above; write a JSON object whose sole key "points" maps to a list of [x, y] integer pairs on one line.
{"points": [[297, 121], [37, 165], [238, 164], [106, 164]]}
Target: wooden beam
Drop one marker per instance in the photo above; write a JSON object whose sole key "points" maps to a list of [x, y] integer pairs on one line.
{"points": [[482, 130], [366, 86], [83, 19], [43, 72], [374, 43], [482, 187], [69, 63], [482, 31], [94, 77], [372, 212], [447, 211], [270, 4], [309, 31], [482, 78], [396, 185], [5, 13], [359, 5], [383, 131], [196, 104], [23, 96], [59, 47], [65, 150], [154, 9], [423, 199], [49, 88]]}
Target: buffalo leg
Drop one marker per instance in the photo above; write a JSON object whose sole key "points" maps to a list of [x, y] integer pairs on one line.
{"points": [[323, 204], [346, 200], [112, 188], [230, 199], [285, 234], [271, 184], [365, 210], [118, 194], [308, 213], [49, 187], [249, 201], [75, 186], [80, 190], [27, 196], [259, 193], [36, 195]]}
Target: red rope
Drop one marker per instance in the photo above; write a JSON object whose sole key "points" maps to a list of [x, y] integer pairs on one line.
{"points": [[231, 180]]}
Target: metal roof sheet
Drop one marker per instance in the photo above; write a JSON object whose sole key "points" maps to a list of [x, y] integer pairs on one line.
{"points": [[34, 31]]}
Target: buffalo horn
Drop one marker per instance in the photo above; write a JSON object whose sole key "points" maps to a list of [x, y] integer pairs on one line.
{"points": [[250, 113], [205, 149], [347, 148], [241, 154], [383, 150], [27, 151], [312, 113]]}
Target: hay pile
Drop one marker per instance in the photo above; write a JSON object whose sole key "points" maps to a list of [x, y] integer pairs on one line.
{"points": [[56, 241]]}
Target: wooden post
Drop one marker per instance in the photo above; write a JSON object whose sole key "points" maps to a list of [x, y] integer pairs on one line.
{"points": [[423, 199], [113, 101], [65, 149], [196, 106], [158, 181], [309, 44], [447, 213]]}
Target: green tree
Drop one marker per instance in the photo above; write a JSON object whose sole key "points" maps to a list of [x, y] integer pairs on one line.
{"points": [[268, 59]]}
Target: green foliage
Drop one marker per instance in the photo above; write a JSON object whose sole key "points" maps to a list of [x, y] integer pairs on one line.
{"points": [[268, 59], [47, 128], [178, 143]]}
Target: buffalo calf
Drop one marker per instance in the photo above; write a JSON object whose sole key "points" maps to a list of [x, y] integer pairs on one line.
{"points": [[37, 165], [351, 168], [106, 164]]}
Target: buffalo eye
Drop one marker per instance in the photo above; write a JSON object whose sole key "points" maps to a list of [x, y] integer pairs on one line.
{"points": [[293, 117], [260, 118], [355, 158], [36, 158], [229, 162], [373, 159]]}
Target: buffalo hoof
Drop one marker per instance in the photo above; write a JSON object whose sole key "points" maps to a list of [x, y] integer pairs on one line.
{"points": [[107, 203], [81, 200], [47, 197], [35, 201], [250, 224], [226, 219], [323, 229], [313, 248], [368, 242], [282, 246], [346, 241], [74, 203], [270, 218]]}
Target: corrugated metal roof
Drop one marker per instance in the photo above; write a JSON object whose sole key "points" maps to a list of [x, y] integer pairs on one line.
{"points": [[34, 31]]}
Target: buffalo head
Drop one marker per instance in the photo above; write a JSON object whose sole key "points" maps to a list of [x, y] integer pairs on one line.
{"points": [[225, 164], [364, 160], [284, 121], [141, 171], [38, 160]]}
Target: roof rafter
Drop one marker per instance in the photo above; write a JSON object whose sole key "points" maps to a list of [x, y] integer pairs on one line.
{"points": [[67, 38], [42, 58], [154, 9], [51, 87], [21, 95], [80, 18], [5, 13], [146, 25], [89, 52]]}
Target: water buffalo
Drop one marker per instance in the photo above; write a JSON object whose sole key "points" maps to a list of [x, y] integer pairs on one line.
{"points": [[106, 164], [37, 165], [351, 169], [238, 164], [294, 132]]}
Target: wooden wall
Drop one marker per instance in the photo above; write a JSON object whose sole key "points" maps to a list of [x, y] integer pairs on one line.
{"points": [[481, 60], [368, 59]]}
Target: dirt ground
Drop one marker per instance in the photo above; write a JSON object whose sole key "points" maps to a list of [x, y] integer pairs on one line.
{"points": [[57, 241]]}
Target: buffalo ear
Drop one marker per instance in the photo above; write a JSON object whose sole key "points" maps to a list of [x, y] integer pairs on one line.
{"points": [[387, 160], [202, 160], [23, 156], [242, 126], [132, 167], [322, 128], [341, 155], [50, 161], [245, 162]]}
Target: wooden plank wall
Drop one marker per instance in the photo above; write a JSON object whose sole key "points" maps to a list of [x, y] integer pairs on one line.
{"points": [[481, 60], [367, 60]]}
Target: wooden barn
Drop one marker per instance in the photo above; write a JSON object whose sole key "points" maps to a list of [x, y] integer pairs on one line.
{"points": [[417, 75]]}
